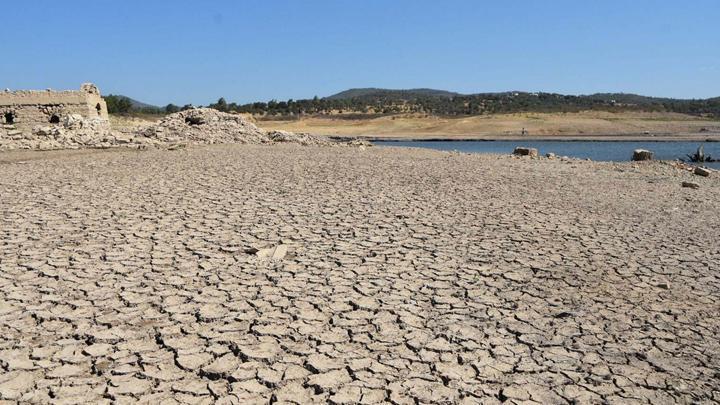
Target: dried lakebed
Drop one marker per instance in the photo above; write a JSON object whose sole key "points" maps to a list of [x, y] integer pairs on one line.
{"points": [[250, 274]]}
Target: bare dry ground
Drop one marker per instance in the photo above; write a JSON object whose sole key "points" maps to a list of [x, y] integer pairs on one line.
{"points": [[583, 125], [411, 276]]}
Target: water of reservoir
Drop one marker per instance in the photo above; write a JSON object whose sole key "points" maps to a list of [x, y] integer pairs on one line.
{"points": [[615, 151]]}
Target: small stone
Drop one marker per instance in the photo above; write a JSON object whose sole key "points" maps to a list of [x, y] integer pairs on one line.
{"points": [[274, 253], [123, 139], [688, 184], [73, 121], [701, 171], [176, 146]]}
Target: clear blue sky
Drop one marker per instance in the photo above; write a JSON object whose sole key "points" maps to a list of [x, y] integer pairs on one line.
{"points": [[196, 51]]}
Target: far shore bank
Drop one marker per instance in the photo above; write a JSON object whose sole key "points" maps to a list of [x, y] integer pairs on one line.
{"points": [[581, 126]]}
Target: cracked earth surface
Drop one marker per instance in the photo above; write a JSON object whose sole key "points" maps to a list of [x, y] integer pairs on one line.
{"points": [[404, 276]]}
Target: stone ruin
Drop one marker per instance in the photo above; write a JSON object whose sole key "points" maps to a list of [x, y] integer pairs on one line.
{"points": [[47, 119], [26, 109], [79, 119]]}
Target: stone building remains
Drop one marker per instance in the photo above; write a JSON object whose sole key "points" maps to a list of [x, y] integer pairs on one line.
{"points": [[26, 109]]}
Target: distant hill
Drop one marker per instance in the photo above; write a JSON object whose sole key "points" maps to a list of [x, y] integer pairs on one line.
{"points": [[441, 102], [361, 103], [119, 104], [628, 98], [368, 93], [136, 105], [379, 94]]}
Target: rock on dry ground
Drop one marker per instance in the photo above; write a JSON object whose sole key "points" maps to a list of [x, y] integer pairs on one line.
{"points": [[396, 275]]}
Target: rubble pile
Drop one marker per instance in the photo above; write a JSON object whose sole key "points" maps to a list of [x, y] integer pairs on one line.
{"points": [[209, 126], [301, 138], [205, 125]]}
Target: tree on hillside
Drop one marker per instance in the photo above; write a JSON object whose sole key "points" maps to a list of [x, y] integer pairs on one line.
{"points": [[221, 105], [171, 108], [118, 104]]}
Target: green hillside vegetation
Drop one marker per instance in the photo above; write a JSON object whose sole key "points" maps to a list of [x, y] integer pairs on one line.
{"points": [[372, 93], [374, 102], [123, 105]]}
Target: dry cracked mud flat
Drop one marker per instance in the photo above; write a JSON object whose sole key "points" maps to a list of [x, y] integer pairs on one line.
{"points": [[256, 274]]}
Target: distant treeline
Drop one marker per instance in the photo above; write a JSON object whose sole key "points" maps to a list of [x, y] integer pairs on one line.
{"points": [[360, 103], [126, 106], [387, 102]]}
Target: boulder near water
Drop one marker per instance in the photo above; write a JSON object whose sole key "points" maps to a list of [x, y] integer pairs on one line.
{"points": [[523, 151], [701, 171], [642, 154]]}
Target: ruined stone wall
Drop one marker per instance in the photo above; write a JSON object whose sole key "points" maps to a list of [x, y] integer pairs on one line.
{"points": [[26, 109]]}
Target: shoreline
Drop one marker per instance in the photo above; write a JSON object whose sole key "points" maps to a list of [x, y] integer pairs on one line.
{"points": [[714, 137]]}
